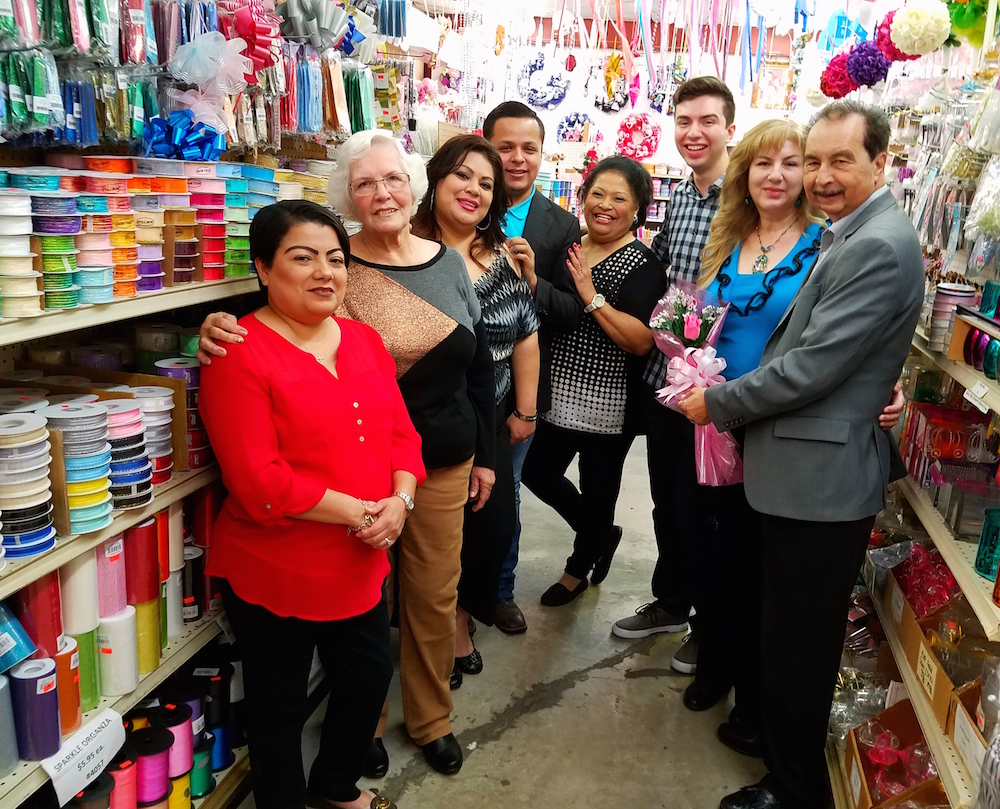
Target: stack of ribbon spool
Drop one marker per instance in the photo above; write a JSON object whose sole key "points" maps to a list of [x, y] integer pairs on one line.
{"points": [[154, 342], [189, 369], [56, 223], [142, 583], [131, 471], [191, 692], [87, 584], [185, 239], [98, 358], [157, 405], [20, 403], [19, 295], [313, 185], [25, 494], [98, 202], [149, 195], [119, 227], [87, 454], [204, 506]]}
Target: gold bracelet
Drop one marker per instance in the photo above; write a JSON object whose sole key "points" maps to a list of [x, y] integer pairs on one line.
{"points": [[368, 520]]}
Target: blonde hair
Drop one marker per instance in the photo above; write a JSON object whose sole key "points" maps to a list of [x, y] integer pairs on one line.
{"points": [[736, 217]]}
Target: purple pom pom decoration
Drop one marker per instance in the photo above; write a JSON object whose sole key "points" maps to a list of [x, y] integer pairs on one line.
{"points": [[866, 64]]}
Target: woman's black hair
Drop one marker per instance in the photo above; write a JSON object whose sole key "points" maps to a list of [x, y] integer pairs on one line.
{"points": [[446, 160], [638, 179], [271, 225]]}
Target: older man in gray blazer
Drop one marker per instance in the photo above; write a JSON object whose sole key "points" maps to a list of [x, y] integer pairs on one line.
{"points": [[816, 459]]}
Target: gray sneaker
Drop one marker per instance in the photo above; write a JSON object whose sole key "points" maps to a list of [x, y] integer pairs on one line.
{"points": [[685, 659], [648, 620]]}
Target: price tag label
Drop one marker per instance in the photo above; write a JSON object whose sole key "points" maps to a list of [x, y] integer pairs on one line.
{"points": [[855, 783], [976, 399], [74, 660], [45, 684], [227, 630], [114, 549], [969, 747], [85, 754], [896, 604], [980, 389], [190, 613], [6, 642], [205, 672], [926, 671], [198, 725]]}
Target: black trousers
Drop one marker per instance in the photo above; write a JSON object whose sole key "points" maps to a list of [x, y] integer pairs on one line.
{"points": [[277, 654], [810, 569], [488, 534], [681, 509], [589, 510]]}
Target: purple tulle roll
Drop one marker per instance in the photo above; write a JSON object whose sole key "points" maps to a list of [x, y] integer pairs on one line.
{"points": [[36, 708], [866, 64]]}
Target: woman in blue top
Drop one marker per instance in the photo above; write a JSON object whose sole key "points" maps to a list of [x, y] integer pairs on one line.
{"points": [[764, 240]]}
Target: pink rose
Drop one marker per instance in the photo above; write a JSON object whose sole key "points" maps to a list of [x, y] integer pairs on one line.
{"points": [[692, 327]]}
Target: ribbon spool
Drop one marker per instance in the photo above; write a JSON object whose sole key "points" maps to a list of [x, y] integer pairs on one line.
{"points": [[175, 604], [68, 681], [142, 575], [152, 750], [217, 681], [222, 750], [176, 717], [191, 692], [96, 795], [180, 792], [194, 584], [119, 655], [39, 609], [90, 678], [35, 700], [111, 575], [9, 756], [78, 580], [202, 780], [147, 622], [124, 770]]}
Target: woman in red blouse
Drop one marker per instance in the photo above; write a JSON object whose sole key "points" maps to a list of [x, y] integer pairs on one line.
{"points": [[321, 462]]}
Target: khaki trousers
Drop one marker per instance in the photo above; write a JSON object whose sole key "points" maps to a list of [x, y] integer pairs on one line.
{"points": [[426, 567]]}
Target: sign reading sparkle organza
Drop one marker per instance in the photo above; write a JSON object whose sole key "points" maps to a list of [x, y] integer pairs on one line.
{"points": [[638, 137]]}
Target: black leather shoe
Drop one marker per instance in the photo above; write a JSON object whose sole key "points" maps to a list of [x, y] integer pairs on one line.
{"points": [[558, 594], [456, 677], [470, 664], [603, 564], [444, 754], [377, 763], [701, 697], [742, 738], [755, 797], [508, 618]]}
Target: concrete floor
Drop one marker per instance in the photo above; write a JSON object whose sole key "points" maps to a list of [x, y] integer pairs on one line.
{"points": [[567, 715]]}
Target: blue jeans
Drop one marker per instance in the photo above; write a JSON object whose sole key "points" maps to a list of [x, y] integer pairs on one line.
{"points": [[518, 453]]}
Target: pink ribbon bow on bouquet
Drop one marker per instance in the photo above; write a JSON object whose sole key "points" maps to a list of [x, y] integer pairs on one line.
{"points": [[716, 455]]}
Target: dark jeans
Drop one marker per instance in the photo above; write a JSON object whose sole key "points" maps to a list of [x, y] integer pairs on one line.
{"points": [[277, 653], [681, 509], [589, 510], [518, 452], [810, 569]]}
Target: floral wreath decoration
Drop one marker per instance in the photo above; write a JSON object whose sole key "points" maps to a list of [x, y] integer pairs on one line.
{"points": [[638, 137], [548, 96], [571, 127]]}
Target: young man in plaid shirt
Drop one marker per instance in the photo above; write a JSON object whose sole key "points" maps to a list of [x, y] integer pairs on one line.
{"points": [[704, 113]]}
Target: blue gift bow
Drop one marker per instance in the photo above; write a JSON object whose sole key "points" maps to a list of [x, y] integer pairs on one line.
{"points": [[180, 138], [352, 38]]}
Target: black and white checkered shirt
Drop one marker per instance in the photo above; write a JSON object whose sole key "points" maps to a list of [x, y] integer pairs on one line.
{"points": [[678, 245]]}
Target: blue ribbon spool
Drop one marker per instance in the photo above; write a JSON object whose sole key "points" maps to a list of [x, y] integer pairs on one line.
{"points": [[222, 750], [89, 461], [23, 551], [30, 537], [23, 648], [83, 475]]}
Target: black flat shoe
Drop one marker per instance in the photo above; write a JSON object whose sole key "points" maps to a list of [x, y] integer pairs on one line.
{"points": [[471, 663], [603, 564], [444, 754], [377, 763], [741, 738], [559, 594], [755, 797], [456, 677], [701, 697]]}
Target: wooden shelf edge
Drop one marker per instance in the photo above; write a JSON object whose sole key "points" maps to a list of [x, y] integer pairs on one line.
{"points": [[231, 785], [30, 777], [838, 780], [954, 777], [977, 590], [21, 573]]}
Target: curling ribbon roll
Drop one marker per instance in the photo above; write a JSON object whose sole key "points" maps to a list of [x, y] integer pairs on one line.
{"points": [[152, 748], [164, 804], [191, 692], [39, 610], [90, 679], [36, 708], [8, 735], [216, 680], [119, 657], [111, 590], [202, 780], [180, 792], [194, 583], [222, 750], [80, 599], [123, 769], [176, 717], [97, 795], [176, 526], [68, 682], [142, 566], [163, 542], [175, 604], [14, 641], [147, 629]]}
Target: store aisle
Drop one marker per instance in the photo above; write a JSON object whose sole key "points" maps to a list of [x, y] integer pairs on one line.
{"points": [[568, 715]]}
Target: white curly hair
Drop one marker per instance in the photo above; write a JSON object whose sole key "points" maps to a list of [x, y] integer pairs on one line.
{"points": [[356, 147]]}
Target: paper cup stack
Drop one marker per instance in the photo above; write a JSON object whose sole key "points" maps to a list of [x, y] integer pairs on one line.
{"points": [[25, 490], [947, 299], [88, 462], [157, 405], [131, 471]]}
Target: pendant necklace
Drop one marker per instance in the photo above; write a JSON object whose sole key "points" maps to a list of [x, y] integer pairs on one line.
{"points": [[760, 263]]}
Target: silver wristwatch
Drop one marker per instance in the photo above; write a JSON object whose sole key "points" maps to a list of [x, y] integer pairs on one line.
{"points": [[597, 303], [406, 499]]}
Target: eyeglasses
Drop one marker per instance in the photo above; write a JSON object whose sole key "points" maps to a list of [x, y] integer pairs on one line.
{"points": [[366, 188]]}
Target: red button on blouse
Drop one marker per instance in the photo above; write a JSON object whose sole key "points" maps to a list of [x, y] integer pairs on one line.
{"points": [[285, 430]]}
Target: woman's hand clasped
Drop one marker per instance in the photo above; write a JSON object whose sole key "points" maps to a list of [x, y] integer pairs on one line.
{"points": [[389, 515], [580, 271]]}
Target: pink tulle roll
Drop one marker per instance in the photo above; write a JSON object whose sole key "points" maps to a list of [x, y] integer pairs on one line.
{"points": [[111, 597]]}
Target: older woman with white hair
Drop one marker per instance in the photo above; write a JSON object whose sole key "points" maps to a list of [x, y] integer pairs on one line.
{"points": [[417, 295]]}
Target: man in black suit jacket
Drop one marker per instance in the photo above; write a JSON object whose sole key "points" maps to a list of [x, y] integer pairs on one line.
{"points": [[540, 236]]}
